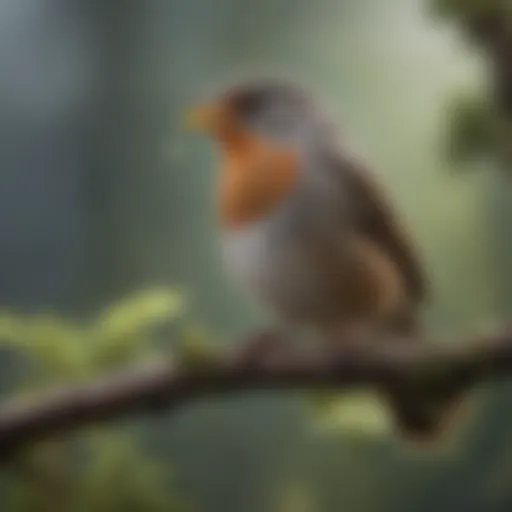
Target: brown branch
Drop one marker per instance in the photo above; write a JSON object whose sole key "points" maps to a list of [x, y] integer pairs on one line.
{"points": [[158, 385]]}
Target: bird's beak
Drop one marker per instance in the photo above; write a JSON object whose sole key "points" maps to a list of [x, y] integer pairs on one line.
{"points": [[206, 117]]}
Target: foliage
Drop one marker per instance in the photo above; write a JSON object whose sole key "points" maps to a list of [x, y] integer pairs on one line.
{"points": [[106, 469], [463, 8], [474, 129], [477, 129], [359, 414], [296, 497], [198, 350]]}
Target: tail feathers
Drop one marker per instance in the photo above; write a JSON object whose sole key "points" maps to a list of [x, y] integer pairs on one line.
{"points": [[422, 418]]}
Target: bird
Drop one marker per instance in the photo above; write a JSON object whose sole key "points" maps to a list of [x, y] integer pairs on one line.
{"points": [[307, 230]]}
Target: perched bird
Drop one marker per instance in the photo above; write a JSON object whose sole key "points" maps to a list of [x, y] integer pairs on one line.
{"points": [[307, 230]]}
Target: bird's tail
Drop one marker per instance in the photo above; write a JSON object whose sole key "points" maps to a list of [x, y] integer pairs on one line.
{"points": [[420, 415]]}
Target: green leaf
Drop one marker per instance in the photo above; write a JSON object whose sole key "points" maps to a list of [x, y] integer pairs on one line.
{"points": [[123, 332], [474, 129], [198, 350], [358, 413], [135, 314], [13, 330]]}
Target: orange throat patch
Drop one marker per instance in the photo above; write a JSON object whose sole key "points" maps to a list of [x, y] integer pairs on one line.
{"points": [[254, 180]]}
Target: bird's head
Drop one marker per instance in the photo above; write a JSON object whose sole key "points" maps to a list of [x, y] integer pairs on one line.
{"points": [[264, 130], [272, 111]]}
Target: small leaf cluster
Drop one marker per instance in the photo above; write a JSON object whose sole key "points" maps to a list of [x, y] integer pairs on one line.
{"points": [[102, 469]]}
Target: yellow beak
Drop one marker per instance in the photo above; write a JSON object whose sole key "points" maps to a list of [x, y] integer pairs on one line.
{"points": [[204, 117]]}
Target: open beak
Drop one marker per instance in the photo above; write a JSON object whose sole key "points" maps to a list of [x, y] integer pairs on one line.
{"points": [[207, 117]]}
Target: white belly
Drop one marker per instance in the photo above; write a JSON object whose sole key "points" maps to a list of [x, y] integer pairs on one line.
{"points": [[280, 269]]}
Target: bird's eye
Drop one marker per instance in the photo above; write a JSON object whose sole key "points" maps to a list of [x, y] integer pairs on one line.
{"points": [[249, 104]]}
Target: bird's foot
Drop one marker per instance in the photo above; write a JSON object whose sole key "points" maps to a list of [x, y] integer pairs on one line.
{"points": [[259, 349], [349, 339]]}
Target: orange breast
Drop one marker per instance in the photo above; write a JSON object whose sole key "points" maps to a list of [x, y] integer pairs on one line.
{"points": [[255, 179]]}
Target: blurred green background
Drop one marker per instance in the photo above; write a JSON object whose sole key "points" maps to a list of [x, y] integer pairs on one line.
{"points": [[103, 194]]}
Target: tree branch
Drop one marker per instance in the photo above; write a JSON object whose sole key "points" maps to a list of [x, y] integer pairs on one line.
{"points": [[437, 369]]}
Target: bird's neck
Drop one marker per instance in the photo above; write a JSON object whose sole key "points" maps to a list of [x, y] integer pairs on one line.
{"points": [[255, 179]]}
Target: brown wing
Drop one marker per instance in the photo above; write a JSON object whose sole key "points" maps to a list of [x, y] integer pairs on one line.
{"points": [[375, 217]]}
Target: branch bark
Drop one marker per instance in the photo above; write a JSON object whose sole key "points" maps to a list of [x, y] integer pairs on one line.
{"points": [[437, 369]]}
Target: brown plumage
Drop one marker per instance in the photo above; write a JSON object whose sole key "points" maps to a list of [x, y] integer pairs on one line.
{"points": [[307, 229], [254, 180]]}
